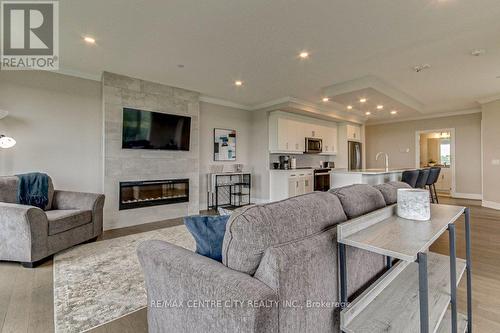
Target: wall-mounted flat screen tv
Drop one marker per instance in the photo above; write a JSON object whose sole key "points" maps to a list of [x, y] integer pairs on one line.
{"points": [[155, 130]]}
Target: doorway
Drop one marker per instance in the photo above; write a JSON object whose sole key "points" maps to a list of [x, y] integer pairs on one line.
{"points": [[437, 148]]}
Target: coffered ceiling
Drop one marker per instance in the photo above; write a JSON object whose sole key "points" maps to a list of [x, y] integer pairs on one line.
{"points": [[208, 45]]}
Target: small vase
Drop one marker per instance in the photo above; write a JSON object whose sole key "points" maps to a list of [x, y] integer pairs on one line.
{"points": [[414, 204]]}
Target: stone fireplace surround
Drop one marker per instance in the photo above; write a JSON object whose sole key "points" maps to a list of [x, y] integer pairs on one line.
{"points": [[126, 165]]}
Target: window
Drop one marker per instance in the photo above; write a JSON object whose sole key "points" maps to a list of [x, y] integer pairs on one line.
{"points": [[445, 152]]}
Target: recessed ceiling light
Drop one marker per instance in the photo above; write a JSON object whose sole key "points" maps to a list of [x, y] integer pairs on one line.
{"points": [[394, 112], [362, 100], [304, 54], [89, 40], [349, 107], [238, 83], [380, 107], [180, 65], [368, 113], [325, 99]]}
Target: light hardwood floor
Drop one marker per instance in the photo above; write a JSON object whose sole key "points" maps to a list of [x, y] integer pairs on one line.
{"points": [[26, 295]]}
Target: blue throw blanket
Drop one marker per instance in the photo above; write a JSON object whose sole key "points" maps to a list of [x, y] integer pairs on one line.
{"points": [[33, 189]]}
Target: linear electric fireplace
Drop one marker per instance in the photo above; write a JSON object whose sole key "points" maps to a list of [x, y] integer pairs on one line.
{"points": [[153, 193]]}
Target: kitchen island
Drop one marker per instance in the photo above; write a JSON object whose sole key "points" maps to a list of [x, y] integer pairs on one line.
{"points": [[344, 177]]}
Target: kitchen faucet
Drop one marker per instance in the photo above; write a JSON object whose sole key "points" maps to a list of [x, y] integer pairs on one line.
{"points": [[386, 159]]}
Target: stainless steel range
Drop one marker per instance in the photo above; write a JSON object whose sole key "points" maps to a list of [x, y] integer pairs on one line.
{"points": [[322, 179]]}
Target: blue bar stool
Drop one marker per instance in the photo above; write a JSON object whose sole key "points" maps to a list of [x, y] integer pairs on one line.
{"points": [[423, 175], [410, 177], [431, 182]]}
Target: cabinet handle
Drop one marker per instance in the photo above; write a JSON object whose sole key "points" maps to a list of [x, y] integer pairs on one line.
{"points": [[326, 147], [287, 145], [313, 133], [296, 146], [354, 135]]}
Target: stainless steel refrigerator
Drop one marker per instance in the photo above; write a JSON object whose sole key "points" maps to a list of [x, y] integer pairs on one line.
{"points": [[355, 155]]}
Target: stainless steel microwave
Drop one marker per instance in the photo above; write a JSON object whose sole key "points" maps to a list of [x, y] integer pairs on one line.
{"points": [[314, 146]]}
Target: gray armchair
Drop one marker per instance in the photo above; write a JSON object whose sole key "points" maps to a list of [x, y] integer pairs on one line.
{"points": [[31, 235]]}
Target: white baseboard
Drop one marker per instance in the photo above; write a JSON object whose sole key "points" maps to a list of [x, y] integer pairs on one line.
{"points": [[491, 204], [471, 196]]}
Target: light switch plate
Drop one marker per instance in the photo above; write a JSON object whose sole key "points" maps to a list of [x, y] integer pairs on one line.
{"points": [[495, 162]]}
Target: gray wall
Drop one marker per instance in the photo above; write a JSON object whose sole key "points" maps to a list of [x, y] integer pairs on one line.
{"points": [[395, 138], [132, 165], [56, 121], [217, 116], [259, 156], [491, 154]]}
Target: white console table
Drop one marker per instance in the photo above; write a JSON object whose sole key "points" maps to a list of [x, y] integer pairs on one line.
{"points": [[415, 293]]}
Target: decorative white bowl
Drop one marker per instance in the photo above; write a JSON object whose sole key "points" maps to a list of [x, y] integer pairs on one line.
{"points": [[414, 204]]}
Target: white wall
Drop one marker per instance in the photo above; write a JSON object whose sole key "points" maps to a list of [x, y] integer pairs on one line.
{"points": [[56, 121], [217, 116]]}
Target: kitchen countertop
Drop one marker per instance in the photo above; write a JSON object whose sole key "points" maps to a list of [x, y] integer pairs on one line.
{"points": [[380, 171], [294, 170]]}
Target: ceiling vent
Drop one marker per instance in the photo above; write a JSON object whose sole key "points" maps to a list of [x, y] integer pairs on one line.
{"points": [[420, 68], [478, 52]]}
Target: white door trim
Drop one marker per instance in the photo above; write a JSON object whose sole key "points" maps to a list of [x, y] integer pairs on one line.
{"points": [[452, 139]]}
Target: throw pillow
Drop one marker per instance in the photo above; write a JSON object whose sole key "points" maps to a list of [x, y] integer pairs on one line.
{"points": [[224, 211], [208, 232]]}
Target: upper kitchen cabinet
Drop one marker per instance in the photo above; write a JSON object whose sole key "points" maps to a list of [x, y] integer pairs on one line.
{"points": [[329, 136], [287, 133], [353, 133]]}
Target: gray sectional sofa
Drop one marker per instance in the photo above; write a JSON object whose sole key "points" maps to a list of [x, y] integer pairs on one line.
{"points": [[279, 271], [30, 235]]}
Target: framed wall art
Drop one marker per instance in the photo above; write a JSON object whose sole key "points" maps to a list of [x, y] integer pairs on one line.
{"points": [[224, 144]]}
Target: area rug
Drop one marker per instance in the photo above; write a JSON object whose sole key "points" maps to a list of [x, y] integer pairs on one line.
{"points": [[100, 282]]}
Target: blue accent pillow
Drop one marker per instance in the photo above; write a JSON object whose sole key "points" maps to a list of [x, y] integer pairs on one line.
{"points": [[208, 231]]}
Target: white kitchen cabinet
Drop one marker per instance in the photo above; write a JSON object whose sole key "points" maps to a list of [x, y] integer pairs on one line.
{"points": [[353, 132], [287, 134], [329, 136], [444, 181], [308, 183], [296, 136], [311, 130], [290, 183], [293, 184]]}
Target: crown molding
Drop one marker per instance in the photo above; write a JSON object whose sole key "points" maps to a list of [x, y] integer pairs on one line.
{"points": [[81, 75], [271, 104], [313, 108], [427, 116], [223, 102], [489, 99]]}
